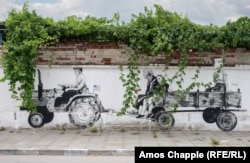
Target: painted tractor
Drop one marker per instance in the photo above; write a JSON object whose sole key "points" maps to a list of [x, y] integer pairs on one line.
{"points": [[83, 109]]}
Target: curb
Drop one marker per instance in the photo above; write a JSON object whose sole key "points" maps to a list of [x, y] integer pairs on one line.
{"points": [[67, 152]]}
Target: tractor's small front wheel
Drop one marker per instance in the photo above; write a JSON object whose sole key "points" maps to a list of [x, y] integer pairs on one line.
{"points": [[36, 120]]}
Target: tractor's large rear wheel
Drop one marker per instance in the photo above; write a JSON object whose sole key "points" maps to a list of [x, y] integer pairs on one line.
{"points": [[82, 114]]}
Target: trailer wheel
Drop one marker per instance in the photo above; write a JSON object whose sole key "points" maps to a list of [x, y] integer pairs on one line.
{"points": [[157, 111], [156, 116], [166, 120], [210, 114], [226, 121], [36, 120]]}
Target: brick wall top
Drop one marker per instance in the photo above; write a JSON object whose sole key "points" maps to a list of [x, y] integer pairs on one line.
{"points": [[78, 52], [110, 53]]}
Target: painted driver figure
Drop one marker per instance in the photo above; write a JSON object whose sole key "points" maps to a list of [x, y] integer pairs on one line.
{"points": [[80, 82], [70, 90]]}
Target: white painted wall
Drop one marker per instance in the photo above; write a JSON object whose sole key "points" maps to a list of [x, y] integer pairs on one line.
{"points": [[111, 94]]}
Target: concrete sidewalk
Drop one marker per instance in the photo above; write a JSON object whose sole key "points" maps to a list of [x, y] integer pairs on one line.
{"points": [[110, 142]]}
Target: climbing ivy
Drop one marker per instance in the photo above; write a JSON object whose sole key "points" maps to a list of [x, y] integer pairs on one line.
{"points": [[26, 31], [164, 33], [149, 33]]}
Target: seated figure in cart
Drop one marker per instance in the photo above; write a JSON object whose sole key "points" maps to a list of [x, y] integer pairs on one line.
{"points": [[220, 82], [146, 102]]}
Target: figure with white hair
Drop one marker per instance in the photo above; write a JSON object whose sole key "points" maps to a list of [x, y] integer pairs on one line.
{"points": [[147, 99]]}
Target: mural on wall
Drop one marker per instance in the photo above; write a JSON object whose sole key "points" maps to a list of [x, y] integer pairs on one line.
{"points": [[216, 103], [84, 108]]}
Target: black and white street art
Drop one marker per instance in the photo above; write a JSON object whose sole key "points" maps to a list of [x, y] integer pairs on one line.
{"points": [[217, 104], [84, 108]]}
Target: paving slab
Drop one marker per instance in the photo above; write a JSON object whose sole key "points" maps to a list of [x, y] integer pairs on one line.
{"points": [[111, 142]]}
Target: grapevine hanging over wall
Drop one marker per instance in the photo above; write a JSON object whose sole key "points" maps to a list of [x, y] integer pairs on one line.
{"points": [[26, 31], [151, 33]]}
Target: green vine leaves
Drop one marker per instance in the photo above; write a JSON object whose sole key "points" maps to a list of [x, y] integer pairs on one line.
{"points": [[163, 33], [156, 32], [26, 32]]}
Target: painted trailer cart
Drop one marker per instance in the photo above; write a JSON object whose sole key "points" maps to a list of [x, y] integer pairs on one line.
{"points": [[216, 107]]}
